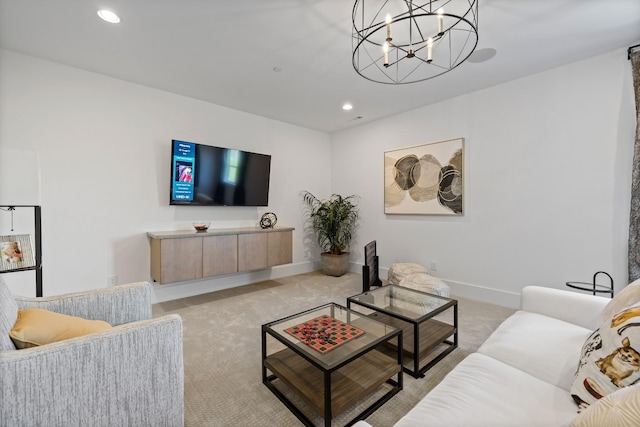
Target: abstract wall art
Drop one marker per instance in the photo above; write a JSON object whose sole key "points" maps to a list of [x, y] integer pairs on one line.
{"points": [[425, 180]]}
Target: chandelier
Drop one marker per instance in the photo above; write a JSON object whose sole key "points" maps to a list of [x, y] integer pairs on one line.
{"points": [[399, 42]]}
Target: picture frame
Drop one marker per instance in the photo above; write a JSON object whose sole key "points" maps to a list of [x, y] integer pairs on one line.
{"points": [[426, 179], [16, 252]]}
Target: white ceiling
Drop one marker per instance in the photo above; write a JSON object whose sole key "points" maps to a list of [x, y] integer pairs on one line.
{"points": [[225, 51]]}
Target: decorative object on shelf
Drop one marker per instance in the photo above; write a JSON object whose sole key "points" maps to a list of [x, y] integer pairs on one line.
{"points": [[399, 42], [334, 222], [16, 253], [594, 287], [425, 180], [201, 226], [31, 251], [268, 220]]}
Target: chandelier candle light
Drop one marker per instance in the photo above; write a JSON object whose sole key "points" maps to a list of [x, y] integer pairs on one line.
{"points": [[423, 40]]}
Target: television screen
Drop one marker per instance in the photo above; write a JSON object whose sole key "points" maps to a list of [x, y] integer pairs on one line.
{"points": [[205, 175]]}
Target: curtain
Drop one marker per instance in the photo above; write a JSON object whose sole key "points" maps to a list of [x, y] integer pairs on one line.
{"points": [[634, 223]]}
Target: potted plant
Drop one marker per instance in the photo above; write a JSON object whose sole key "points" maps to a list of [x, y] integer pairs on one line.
{"points": [[334, 222]]}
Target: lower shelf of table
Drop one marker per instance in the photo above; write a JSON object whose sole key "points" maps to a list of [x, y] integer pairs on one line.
{"points": [[431, 332], [349, 384]]}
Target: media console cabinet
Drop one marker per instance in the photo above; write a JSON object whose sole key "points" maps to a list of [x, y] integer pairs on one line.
{"points": [[178, 256]]}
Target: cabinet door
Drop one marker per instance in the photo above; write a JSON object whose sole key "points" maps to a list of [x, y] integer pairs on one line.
{"points": [[219, 255], [252, 251], [181, 259], [279, 248]]}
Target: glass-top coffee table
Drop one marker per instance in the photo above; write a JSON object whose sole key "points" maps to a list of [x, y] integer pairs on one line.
{"points": [[427, 339], [330, 358]]}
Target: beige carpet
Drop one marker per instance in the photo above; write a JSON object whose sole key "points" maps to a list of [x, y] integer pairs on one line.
{"points": [[222, 349]]}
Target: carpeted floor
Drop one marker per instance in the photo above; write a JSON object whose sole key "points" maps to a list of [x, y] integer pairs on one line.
{"points": [[222, 348]]}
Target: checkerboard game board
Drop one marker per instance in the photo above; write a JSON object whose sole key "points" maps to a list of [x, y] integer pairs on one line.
{"points": [[324, 333]]}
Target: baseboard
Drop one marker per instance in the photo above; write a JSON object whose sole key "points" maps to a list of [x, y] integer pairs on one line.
{"points": [[481, 293], [466, 290], [173, 291]]}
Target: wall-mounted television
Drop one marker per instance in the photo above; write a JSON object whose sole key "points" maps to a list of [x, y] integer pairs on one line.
{"points": [[204, 175]]}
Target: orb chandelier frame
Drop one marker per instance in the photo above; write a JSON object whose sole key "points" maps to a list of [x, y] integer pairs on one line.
{"points": [[400, 41]]}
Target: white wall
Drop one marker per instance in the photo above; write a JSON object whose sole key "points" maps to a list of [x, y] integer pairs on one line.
{"points": [[547, 181], [548, 165], [104, 151]]}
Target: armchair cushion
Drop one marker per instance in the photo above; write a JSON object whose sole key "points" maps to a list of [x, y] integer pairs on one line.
{"points": [[8, 315], [37, 326]]}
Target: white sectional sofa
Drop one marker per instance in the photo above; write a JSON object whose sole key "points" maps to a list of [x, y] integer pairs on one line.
{"points": [[522, 375]]}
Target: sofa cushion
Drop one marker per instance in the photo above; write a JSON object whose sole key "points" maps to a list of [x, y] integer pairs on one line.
{"points": [[482, 391], [36, 326], [542, 346], [625, 298], [610, 358], [8, 315]]}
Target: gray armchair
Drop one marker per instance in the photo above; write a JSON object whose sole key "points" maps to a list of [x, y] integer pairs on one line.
{"points": [[131, 375]]}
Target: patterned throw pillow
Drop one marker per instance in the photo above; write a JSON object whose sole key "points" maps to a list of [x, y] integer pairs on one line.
{"points": [[610, 358], [625, 298]]}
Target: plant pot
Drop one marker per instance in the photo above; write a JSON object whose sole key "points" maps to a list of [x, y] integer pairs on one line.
{"points": [[335, 265]]}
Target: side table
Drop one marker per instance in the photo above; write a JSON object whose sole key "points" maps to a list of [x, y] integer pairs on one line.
{"points": [[594, 287], [332, 376], [426, 340]]}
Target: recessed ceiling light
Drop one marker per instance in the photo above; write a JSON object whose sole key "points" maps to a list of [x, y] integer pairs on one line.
{"points": [[347, 107], [108, 16]]}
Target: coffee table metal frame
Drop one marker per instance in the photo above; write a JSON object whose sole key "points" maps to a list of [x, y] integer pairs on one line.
{"points": [[328, 369], [414, 324]]}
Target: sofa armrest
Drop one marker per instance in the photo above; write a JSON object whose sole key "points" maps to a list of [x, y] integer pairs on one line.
{"points": [[116, 305], [130, 375], [579, 309]]}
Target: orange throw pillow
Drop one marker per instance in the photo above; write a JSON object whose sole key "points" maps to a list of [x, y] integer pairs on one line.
{"points": [[37, 326]]}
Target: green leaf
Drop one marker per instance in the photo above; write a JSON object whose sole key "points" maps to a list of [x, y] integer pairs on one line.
{"points": [[334, 220]]}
